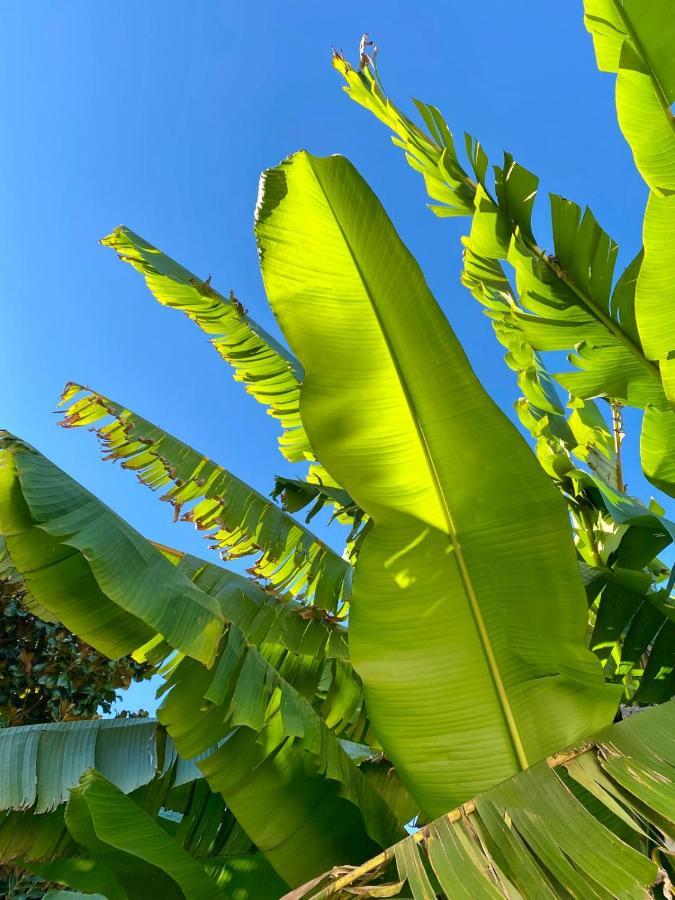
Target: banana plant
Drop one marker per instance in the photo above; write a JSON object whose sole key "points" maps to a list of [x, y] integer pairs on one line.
{"points": [[566, 300], [445, 668]]}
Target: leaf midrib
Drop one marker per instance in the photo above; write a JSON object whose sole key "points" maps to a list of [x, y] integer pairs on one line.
{"points": [[507, 712]]}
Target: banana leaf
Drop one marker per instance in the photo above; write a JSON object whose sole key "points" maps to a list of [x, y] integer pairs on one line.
{"points": [[468, 613]]}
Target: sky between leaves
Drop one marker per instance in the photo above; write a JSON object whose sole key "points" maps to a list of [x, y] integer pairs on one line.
{"points": [[160, 115]]}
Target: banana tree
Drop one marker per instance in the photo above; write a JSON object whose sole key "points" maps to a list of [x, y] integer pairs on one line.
{"points": [[443, 665]]}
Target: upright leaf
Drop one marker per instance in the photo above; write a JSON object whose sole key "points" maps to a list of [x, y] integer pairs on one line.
{"points": [[635, 40], [268, 371], [564, 301], [468, 616]]}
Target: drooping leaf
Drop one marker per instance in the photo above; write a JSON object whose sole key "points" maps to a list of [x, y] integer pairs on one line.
{"points": [[39, 764], [469, 535], [259, 739], [245, 690], [127, 850], [51, 522], [93, 571], [239, 520]]}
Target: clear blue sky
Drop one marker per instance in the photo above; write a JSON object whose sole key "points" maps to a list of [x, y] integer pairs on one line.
{"points": [[160, 115]]}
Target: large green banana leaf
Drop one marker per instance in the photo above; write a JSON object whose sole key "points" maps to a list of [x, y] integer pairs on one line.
{"points": [[39, 764], [468, 615], [239, 520], [268, 371], [10, 578], [565, 302], [90, 569], [261, 743], [42, 763], [578, 825], [585, 259]]}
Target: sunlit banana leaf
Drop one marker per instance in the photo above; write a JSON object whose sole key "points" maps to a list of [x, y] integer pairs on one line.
{"points": [[565, 299], [296, 494], [635, 41], [264, 620], [469, 675], [239, 520], [584, 823], [81, 602], [112, 587], [446, 181], [268, 371], [280, 668]]}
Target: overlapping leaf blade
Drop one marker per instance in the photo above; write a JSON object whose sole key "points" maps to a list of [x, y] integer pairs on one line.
{"points": [[261, 742], [41, 763], [634, 39], [239, 520], [127, 849], [271, 661]]}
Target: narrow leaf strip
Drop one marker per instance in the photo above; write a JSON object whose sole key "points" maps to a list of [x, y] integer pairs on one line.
{"points": [[268, 371]]}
